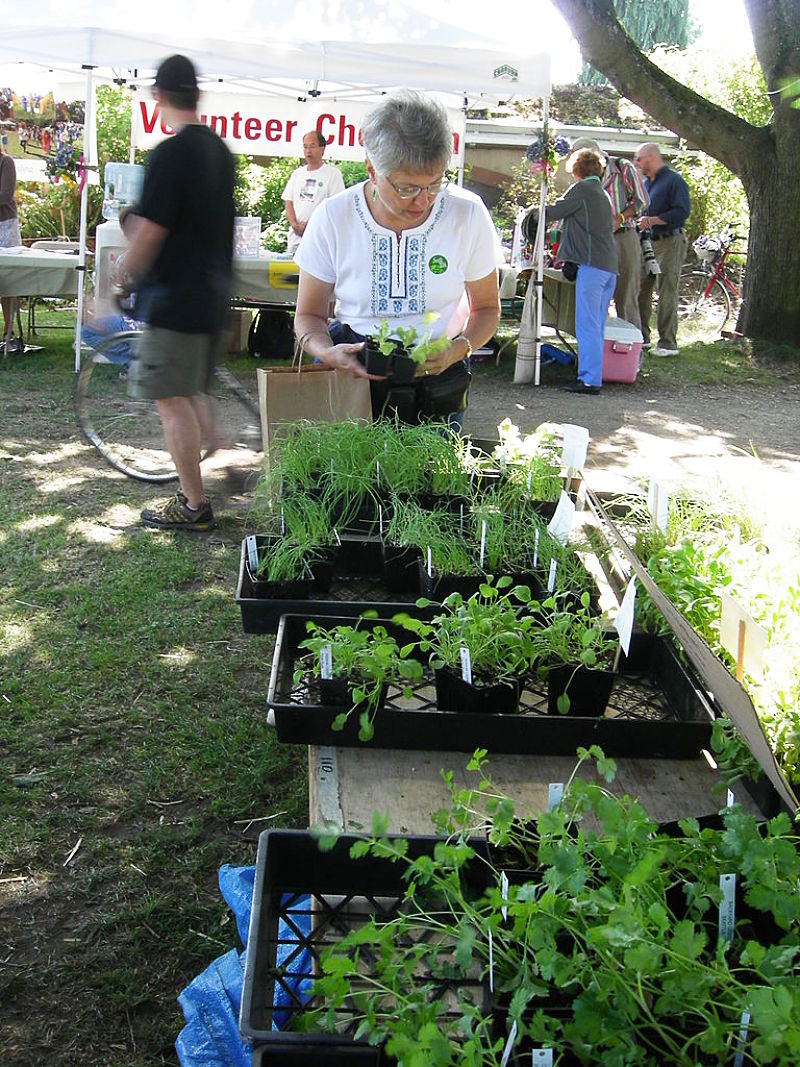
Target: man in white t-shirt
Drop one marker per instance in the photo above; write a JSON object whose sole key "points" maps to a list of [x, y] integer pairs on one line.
{"points": [[308, 187]]}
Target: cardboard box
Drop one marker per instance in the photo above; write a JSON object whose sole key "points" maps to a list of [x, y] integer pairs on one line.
{"points": [[622, 349]]}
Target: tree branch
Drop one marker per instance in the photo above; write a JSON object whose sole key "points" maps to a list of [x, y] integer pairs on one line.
{"points": [[776, 36], [605, 44]]}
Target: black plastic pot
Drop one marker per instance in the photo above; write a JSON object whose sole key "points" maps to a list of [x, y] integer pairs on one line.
{"points": [[439, 586], [396, 365], [338, 693], [401, 567], [454, 694], [588, 690], [299, 588]]}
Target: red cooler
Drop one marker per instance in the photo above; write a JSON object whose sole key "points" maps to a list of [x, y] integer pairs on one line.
{"points": [[622, 349]]}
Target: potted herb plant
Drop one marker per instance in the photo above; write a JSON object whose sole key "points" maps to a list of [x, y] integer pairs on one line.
{"points": [[353, 666], [480, 648], [401, 354], [575, 652]]}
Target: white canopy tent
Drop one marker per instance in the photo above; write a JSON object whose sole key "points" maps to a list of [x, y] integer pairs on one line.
{"points": [[327, 67]]}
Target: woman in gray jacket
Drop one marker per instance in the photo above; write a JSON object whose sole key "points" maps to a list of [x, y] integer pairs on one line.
{"points": [[587, 239]]}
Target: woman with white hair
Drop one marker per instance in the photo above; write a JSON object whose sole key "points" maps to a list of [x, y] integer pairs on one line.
{"points": [[586, 246], [399, 247]]}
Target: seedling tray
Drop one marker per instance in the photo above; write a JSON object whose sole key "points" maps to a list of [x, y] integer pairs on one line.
{"points": [[304, 901], [655, 711]]}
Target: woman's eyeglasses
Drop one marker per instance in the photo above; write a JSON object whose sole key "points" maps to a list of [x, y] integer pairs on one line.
{"points": [[409, 192]]}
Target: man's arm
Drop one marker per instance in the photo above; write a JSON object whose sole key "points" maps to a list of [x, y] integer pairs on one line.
{"points": [[289, 211], [147, 241]]}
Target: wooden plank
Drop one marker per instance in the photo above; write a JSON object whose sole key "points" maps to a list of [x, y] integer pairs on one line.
{"points": [[407, 785]]}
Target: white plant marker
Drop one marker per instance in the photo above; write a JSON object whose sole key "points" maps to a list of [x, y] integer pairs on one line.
{"points": [[575, 447], [561, 522], [530, 479], [326, 662], [512, 1037], [491, 963], [536, 546], [727, 907], [466, 665], [623, 623], [378, 471], [542, 1057], [742, 636], [730, 799], [555, 791], [283, 523], [380, 519], [483, 543], [430, 562], [744, 1025], [551, 578], [252, 553], [658, 504], [504, 894]]}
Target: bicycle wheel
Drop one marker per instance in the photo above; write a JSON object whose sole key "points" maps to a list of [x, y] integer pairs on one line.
{"points": [[700, 313], [126, 432]]}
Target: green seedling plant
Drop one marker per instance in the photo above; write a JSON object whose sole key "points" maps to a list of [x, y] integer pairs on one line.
{"points": [[369, 658], [417, 346], [573, 637], [603, 946], [492, 625], [285, 560]]}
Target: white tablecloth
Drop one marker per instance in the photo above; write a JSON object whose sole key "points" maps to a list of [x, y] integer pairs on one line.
{"points": [[38, 273]]}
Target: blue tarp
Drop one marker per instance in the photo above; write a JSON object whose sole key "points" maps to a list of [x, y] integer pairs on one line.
{"points": [[210, 1002]]}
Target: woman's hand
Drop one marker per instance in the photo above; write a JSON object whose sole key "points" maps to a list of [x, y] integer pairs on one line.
{"points": [[440, 361], [344, 357]]}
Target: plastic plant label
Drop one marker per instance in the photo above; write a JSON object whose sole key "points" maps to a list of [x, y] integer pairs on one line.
{"points": [[252, 553], [491, 963], [536, 546], [326, 662], [530, 479], [377, 472], [380, 519], [623, 623], [283, 524], [730, 799], [512, 1037], [555, 791], [658, 504], [576, 445], [727, 907], [483, 544], [430, 562], [744, 1025], [466, 665], [542, 1057], [561, 522], [742, 636], [504, 894], [551, 578]]}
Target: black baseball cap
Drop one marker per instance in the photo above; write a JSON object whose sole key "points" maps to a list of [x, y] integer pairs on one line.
{"points": [[176, 74]]}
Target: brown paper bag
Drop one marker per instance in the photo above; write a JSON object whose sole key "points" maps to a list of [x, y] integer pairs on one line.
{"points": [[315, 392]]}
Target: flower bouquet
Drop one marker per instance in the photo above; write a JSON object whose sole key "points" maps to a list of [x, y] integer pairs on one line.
{"points": [[543, 154]]}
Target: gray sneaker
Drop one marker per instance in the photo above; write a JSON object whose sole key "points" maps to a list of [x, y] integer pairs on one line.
{"points": [[659, 351]]}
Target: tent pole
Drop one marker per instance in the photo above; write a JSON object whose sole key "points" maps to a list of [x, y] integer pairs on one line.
{"points": [[90, 166]]}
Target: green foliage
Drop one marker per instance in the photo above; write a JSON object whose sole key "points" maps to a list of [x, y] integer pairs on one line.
{"points": [[604, 945], [368, 657], [114, 128], [55, 211], [649, 24]]}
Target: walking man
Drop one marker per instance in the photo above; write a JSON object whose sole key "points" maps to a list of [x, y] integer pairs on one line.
{"points": [[667, 212], [180, 256], [308, 186]]}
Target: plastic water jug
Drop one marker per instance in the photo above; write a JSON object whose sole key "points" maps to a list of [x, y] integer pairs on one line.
{"points": [[122, 187]]}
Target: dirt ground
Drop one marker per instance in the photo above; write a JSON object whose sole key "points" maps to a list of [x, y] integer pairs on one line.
{"points": [[743, 438]]}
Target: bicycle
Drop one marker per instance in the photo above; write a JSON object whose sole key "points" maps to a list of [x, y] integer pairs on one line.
{"points": [[128, 433], [707, 294]]}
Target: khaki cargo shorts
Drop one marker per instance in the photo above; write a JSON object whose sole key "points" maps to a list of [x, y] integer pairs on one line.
{"points": [[170, 364]]}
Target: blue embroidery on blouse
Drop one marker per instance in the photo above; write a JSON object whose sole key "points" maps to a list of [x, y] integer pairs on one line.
{"points": [[398, 267]]}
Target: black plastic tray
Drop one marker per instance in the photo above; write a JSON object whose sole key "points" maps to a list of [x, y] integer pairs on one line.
{"points": [[342, 892], [656, 710]]}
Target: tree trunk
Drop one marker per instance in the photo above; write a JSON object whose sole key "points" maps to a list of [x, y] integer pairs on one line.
{"points": [[771, 307]]}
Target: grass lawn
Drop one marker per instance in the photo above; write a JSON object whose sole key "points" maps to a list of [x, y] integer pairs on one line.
{"points": [[136, 758]]}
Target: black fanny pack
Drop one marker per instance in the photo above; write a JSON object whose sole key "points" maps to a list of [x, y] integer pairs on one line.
{"points": [[570, 271]]}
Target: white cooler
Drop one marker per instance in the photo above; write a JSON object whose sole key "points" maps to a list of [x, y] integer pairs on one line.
{"points": [[622, 349]]}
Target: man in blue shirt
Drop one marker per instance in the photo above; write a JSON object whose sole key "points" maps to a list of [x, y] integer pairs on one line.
{"points": [[667, 212]]}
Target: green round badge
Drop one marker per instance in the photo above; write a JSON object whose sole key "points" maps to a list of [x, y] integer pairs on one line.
{"points": [[437, 264]]}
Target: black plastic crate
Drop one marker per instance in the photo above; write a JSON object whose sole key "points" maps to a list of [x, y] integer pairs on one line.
{"points": [[659, 711], [304, 901]]}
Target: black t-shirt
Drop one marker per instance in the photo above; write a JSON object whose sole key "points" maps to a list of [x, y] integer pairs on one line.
{"points": [[188, 189]]}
